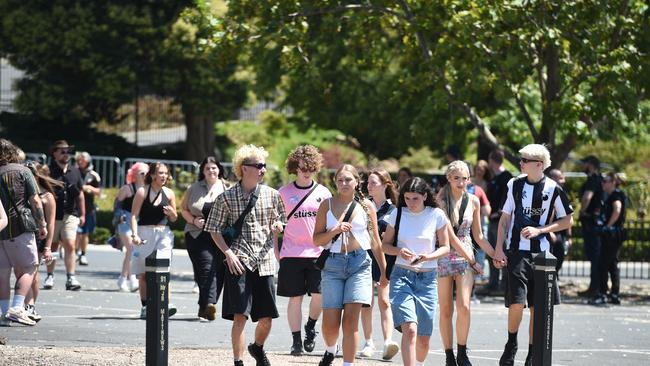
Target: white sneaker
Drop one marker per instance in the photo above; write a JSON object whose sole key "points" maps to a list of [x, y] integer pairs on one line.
{"points": [[122, 284], [390, 350], [83, 261], [49, 282], [32, 314], [19, 315], [195, 288], [367, 350], [134, 285]]}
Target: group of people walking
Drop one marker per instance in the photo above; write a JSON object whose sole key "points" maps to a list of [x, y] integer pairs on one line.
{"points": [[414, 247]]}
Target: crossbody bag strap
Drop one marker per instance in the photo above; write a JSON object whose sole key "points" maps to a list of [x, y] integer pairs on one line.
{"points": [[251, 203], [461, 213], [346, 218], [397, 221], [302, 201]]}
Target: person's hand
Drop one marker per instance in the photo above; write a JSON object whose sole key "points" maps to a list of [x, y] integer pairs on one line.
{"points": [[407, 254], [135, 239], [169, 211], [530, 232], [198, 222], [553, 237], [42, 232], [234, 265], [277, 227], [82, 220], [343, 227], [500, 260], [383, 281], [47, 254], [478, 268]]}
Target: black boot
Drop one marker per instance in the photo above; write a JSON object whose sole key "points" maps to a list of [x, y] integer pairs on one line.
{"points": [[462, 359], [257, 352], [450, 360]]}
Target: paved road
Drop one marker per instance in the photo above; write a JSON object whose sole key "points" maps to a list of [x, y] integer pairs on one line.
{"points": [[99, 315]]}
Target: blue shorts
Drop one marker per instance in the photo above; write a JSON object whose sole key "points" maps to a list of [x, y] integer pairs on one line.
{"points": [[90, 224], [346, 279], [124, 228], [413, 298]]}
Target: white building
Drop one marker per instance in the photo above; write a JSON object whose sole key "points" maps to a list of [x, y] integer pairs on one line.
{"points": [[8, 76]]}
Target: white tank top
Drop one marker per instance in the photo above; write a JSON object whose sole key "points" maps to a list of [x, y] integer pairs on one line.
{"points": [[359, 230]]}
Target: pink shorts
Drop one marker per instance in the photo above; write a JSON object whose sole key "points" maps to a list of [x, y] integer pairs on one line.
{"points": [[19, 252]]}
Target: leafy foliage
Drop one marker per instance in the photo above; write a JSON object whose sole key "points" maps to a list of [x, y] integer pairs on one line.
{"points": [[406, 73]]}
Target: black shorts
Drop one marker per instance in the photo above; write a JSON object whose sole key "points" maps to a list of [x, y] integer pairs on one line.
{"points": [[376, 273], [298, 276], [249, 294], [520, 280]]}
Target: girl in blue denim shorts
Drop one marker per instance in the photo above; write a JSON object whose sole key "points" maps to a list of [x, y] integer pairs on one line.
{"points": [[346, 277], [421, 240], [459, 266]]}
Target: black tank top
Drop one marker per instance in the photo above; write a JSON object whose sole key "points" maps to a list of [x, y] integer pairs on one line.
{"points": [[127, 204], [153, 215]]}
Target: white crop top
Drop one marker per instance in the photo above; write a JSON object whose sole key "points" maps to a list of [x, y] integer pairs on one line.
{"points": [[359, 229]]}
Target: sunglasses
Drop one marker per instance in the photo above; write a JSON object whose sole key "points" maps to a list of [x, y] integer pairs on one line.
{"points": [[525, 161], [257, 165], [306, 170]]}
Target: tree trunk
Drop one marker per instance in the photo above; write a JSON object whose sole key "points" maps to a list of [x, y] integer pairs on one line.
{"points": [[199, 142]]}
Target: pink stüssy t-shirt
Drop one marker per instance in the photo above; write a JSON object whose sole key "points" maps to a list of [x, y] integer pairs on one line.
{"points": [[297, 241]]}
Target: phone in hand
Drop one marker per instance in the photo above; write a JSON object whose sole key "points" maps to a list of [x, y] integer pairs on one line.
{"points": [[416, 260]]}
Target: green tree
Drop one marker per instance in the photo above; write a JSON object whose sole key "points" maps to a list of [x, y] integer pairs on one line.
{"points": [[82, 60], [400, 72]]}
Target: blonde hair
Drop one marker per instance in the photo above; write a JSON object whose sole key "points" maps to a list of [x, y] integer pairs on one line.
{"points": [[447, 197], [537, 152], [245, 154]]}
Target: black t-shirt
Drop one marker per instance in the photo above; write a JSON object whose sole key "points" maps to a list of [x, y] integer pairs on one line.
{"points": [[67, 197], [593, 184], [497, 189], [91, 178], [17, 186], [608, 207]]}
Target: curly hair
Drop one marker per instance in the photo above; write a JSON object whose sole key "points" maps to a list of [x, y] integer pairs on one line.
{"points": [[310, 157], [8, 152], [245, 154]]}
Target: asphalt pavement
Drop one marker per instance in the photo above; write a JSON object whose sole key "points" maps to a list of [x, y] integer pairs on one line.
{"points": [[99, 315]]}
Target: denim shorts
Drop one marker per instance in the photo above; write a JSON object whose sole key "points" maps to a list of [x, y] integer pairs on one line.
{"points": [[413, 299], [346, 279], [124, 228]]}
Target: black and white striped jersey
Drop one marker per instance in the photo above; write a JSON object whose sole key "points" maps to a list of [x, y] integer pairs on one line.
{"points": [[533, 205]]}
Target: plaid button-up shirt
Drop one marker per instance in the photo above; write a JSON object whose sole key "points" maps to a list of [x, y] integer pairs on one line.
{"points": [[254, 247]]}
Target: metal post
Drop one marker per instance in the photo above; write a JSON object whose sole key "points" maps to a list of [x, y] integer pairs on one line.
{"points": [[157, 272], [545, 277]]}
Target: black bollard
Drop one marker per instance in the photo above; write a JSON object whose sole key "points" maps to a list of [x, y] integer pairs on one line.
{"points": [[157, 272], [545, 277]]}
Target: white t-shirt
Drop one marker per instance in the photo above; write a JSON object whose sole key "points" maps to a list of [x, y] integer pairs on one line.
{"points": [[418, 232]]}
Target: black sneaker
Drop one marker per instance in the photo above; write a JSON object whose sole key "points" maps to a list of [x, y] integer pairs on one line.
{"points": [[462, 359], [257, 352], [614, 300], [310, 336], [239, 363], [598, 300], [296, 348], [508, 356], [327, 359]]}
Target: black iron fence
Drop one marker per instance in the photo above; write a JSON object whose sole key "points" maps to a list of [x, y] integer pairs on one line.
{"points": [[634, 255]]}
